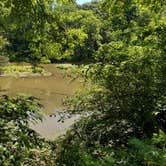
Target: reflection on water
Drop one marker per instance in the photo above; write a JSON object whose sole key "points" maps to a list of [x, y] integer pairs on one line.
{"points": [[51, 91], [51, 128]]}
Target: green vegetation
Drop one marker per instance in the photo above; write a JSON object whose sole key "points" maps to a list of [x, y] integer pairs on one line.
{"points": [[19, 144], [127, 108], [22, 70], [3, 61], [124, 113], [61, 32], [73, 70]]}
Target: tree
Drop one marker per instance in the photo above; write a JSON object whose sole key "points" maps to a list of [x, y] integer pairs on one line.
{"points": [[80, 32], [26, 27], [129, 98]]}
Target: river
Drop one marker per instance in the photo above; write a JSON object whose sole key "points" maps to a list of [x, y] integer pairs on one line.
{"points": [[51, 91]]}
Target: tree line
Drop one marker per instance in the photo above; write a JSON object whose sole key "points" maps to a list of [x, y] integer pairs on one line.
{"points": [[46, 31]]}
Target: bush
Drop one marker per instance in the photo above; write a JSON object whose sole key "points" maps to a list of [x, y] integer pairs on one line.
{"points": [[19, 144]]}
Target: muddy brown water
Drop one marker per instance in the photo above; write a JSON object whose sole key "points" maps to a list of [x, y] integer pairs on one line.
{"points": [[51, 90]]}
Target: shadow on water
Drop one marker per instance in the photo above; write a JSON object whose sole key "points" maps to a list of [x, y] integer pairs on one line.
{"points": [[51, 90]]}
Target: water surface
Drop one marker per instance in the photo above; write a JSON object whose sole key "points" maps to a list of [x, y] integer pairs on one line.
{"points": [[51, 90]]}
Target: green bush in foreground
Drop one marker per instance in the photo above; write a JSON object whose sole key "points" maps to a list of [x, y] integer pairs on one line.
{"points": [[126, 122], [20, 145]]}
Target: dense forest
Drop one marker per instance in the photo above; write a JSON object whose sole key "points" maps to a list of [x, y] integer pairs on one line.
{"points": [[123, 112]]}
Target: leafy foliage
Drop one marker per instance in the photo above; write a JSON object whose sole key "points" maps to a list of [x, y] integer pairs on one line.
{"points": [[50, 31], [19, 144], [129, 100]]}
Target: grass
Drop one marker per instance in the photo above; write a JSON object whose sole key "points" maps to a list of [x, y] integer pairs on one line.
{"points": [[72, 70], [22, 70]]}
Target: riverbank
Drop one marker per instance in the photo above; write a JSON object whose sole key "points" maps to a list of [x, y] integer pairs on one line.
{"points": [[22, 70], [27, 70]]}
